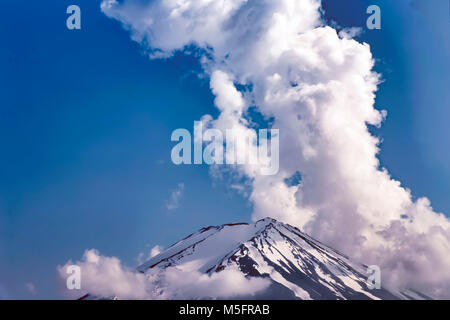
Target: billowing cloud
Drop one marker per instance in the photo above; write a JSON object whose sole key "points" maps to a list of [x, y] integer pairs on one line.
{"points": [[106, 277], [319, 88], [224, 284]]}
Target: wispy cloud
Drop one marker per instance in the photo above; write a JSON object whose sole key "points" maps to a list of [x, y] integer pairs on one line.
{"points": [[31, 288], [175, 197], [143, 257]]}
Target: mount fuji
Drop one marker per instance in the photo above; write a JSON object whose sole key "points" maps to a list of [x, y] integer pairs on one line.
{"points": [[294, 265]]}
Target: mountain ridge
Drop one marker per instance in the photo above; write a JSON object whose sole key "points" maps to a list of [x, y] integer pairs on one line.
{"points": [[296, 265]]}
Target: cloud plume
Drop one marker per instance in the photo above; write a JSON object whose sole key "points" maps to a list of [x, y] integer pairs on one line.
{"points": [[319, 88]]}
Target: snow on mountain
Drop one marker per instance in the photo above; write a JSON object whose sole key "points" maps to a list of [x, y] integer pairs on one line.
{"points": [[270, 259], [297, 266]]}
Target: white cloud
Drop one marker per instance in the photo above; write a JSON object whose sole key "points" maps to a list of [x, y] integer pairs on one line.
{"points": [[106, 277], [223, 284], [154, 251], [350, 33], [175, 197], [320, 89]]}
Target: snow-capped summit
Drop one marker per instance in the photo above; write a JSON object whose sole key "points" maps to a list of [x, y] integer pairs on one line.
{"points": [[297, 266], [263, 260]]}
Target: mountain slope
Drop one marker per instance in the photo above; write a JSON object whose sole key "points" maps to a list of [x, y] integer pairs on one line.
{"points": [[297, 266]]}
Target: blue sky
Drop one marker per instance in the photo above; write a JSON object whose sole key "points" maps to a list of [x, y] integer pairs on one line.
{"points": [[86, 118]]}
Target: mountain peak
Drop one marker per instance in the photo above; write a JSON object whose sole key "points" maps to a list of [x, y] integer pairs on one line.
{"points": [[297, 265], [294, 264]]}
